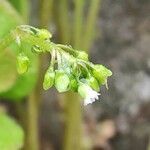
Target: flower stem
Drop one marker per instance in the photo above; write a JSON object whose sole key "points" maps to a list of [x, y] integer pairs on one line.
{"points": [[73, 122], [72, 139], [45, 12], [32, 127], [78, 21], [63, 21], [90, 24]]}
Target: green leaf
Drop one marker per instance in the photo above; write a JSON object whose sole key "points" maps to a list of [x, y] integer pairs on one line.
{"points": [[25, 83], [8, 72], [9, 18], [11, 134], [22, 6]]}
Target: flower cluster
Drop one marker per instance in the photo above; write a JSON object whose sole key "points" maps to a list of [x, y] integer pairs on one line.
{"points": [[69, 69]]}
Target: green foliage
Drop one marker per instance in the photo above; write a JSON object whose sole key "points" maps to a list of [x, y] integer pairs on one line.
{"points": [[8, 73], [11, 134], [8, 19], [14, 86], [25, 82], [22, 7]]}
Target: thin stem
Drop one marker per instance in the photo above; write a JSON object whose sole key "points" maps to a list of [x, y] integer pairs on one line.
{"points": [[67, 49], [73, 122], [58, 59], [35, 97], [45, 12], [63, 21], [32, 134], [78, 22], [72, 139], [53, 56], [90, 24]]}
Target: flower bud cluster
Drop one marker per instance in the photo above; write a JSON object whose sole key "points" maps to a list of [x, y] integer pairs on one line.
{"points": [[69, 69], [76, 74]]}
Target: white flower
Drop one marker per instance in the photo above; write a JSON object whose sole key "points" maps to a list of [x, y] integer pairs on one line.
{"points": [[88, 94]]}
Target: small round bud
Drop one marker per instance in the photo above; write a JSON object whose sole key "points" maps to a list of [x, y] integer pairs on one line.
{"points": [[101, 73], [62, 81], [49, 79], [82, 55], [22, 63]]}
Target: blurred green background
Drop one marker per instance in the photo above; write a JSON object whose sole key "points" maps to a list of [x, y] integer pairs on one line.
{"points": [[115, 33]]}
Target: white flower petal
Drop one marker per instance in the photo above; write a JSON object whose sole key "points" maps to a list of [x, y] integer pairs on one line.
{"points": [[91, 96]]}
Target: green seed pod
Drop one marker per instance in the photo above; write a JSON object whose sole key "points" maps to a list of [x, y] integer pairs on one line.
{"points": [[101, 73], [62, 81], [49, 79], [44, 34], [93, 83], [22, 63], [82, 55]]}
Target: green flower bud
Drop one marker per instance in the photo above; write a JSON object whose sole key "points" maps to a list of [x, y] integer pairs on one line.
{"points": [[82, 55], [73, 84], [44, 34], [82, 90], [93, 83], [62, 81], [22, 63], [101, 73], [49, 79]]}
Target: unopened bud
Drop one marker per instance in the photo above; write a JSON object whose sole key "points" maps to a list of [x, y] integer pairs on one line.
{"points": [[93, 83], [73, 84], [22, 63], [101, 73], [62, 81], [49, 79]]}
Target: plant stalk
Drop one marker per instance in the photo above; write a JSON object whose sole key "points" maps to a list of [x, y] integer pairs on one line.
{"points": [[90, 24], [73, 115], [73, 122], [78, 22], [63, 22], [32, 127]]}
